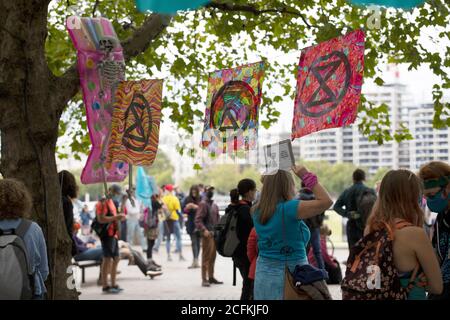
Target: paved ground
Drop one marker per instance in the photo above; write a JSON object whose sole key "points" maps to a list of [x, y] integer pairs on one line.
{"points": [[177, 283]]}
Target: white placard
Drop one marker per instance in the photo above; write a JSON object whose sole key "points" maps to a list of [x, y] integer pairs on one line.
{"points": [[278, 156]]}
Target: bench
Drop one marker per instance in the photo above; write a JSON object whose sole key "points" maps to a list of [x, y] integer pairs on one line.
{"points": [[86, 264]]}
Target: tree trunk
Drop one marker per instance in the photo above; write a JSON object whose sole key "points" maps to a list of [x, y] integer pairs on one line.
{"points": [[29, 128], [35, 165], [32, 100]]}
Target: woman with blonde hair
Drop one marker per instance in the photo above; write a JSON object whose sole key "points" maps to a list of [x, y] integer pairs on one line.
{"points": [[398, 208], [282, 235], [436, 177]]}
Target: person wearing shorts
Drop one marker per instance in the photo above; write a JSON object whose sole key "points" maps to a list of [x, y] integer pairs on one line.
{"points": [[107, 213]]}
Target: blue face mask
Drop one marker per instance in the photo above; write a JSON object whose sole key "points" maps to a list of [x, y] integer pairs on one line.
{"points": [[437, 203]]}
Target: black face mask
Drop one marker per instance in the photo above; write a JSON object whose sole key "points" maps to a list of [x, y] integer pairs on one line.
{"points": [[210, 194]]}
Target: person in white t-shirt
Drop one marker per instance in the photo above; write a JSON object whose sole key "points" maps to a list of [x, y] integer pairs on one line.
{"points": [[134, 211]]}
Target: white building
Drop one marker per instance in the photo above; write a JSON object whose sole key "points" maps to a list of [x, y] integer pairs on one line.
{"points": [[429, 144], [349, 145]]}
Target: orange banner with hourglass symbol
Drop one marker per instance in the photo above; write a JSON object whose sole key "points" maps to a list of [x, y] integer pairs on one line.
{"points": [[135, 123]]}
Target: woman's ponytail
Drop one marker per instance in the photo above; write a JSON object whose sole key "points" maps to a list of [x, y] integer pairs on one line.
{"points": [[234, 196]]}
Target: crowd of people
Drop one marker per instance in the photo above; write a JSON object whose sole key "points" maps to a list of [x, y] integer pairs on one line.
{"points": [[278, 233]]}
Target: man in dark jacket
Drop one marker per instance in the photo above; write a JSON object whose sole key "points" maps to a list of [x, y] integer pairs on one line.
{"points": [[207, 216], [347, 206]]}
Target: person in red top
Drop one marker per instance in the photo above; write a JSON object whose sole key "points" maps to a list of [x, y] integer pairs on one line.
{"points": [[252, 254], [107, 214]]}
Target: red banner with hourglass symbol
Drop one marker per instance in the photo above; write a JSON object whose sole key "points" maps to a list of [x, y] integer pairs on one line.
{"points": [[329, 82]]}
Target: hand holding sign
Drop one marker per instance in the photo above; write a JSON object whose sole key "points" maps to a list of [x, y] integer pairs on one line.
{"points": [[278, 156], [299, 170]]}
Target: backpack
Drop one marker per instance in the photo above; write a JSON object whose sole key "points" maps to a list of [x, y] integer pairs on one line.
{"points": [[315, 222], [371, 273], [365, 203], [101, 229], [16, 276], [225, 233], [150, 219]]}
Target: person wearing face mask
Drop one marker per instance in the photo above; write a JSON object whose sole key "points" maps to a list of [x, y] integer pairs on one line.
{"points": [[436, 180], [118, 200], [241, 203], [207, 216], [190, 206]]}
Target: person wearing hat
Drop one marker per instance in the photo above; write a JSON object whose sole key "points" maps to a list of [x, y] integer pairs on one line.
{"points": [[207, 216], [173, 205]]}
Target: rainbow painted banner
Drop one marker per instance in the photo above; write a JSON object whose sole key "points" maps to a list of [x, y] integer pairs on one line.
{"points": [[135, 123], [231, 116], [168, 6], [403, 4], [101, 67], [329, 81]]}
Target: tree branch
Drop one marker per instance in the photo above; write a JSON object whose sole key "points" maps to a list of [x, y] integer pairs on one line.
{"points": [[141, 39], [97, 2], [67, 86], [252, 9]]}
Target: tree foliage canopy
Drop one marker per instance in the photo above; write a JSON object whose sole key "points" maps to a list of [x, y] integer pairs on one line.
{"points": [[227, 33]]}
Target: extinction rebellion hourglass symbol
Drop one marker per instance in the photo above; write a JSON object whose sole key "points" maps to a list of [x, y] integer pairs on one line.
{"points": [[233, 107], [233, 111], [138, 124], [328, 95]]}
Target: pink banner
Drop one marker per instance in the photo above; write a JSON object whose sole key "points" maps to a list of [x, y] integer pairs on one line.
{"points": [[101, 67]]}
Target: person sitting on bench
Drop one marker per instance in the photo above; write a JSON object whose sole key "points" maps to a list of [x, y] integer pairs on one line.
{"points": [[85, 251]]}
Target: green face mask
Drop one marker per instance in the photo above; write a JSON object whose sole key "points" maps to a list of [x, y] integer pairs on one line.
{"points": [[438, 203]]}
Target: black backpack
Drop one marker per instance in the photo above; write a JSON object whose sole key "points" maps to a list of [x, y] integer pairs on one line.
{"points": [[16, 277], [225, 233], [365, 202], [101, 229]]}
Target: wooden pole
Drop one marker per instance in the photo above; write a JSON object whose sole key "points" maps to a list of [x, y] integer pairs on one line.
{"points": [[130, 177], [130, 183], [105, 185]]}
